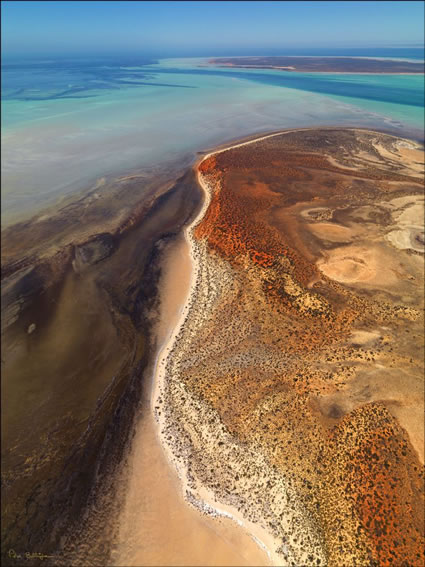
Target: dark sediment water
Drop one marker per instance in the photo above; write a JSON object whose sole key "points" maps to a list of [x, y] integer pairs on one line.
{"points": [[76, 342]]}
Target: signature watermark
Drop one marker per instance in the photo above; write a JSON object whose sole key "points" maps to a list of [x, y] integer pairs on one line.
{"points": [[12, 554]]}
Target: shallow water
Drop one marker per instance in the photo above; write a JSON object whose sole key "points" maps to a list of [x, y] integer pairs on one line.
{"points": [[67, 123]]}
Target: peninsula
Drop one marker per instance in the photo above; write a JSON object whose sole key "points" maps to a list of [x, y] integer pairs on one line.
{"points": [[290, 394]]}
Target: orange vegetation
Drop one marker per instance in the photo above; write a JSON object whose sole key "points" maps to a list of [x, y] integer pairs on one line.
{"points": [[360, 477]]}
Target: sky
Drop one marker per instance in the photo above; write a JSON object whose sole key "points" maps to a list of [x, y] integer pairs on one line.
{"points": [[180, 28]]}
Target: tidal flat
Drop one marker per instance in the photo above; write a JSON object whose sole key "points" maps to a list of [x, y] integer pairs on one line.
{"points": [[78, 298]]}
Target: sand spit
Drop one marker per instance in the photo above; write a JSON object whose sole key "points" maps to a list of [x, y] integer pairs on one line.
{"points": [[199, 495], [203, 292], [269, 395]]}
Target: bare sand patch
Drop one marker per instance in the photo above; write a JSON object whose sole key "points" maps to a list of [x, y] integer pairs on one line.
{"points": [[402, 392], [174, 285], [408, 238], [407, 155], [350, 264], [408, 219], [410, 210], [332, 232], [363, 337], [414, 157], [158, 527], [373, 265]]}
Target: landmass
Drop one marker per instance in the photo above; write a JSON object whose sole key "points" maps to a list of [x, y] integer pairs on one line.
{"points": [[322, 64], [290, 395]]}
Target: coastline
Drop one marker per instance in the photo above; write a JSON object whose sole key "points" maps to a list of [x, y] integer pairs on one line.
{"points": [[156, 526], [208, 503], [308, 64], [238, 141]]}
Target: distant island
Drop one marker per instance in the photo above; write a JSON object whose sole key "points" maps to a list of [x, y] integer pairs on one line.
{"points": [[322, 64]]}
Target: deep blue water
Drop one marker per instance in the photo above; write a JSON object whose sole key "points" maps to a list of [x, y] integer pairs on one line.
{"points": [[417, 52]]}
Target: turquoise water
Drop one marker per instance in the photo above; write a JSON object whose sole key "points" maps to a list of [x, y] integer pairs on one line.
{"points": [[67, 123]]}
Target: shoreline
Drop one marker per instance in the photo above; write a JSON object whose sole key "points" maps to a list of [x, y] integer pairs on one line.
{"points": [[236, 142], [166, 350], [319, 64], [152, 495], [208, 503]]}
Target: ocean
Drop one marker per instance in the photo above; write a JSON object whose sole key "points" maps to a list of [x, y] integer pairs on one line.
{"points": [[68, 122]]}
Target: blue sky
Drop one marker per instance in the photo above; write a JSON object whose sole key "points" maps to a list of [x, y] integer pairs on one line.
{"points": [[180, 27]]}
